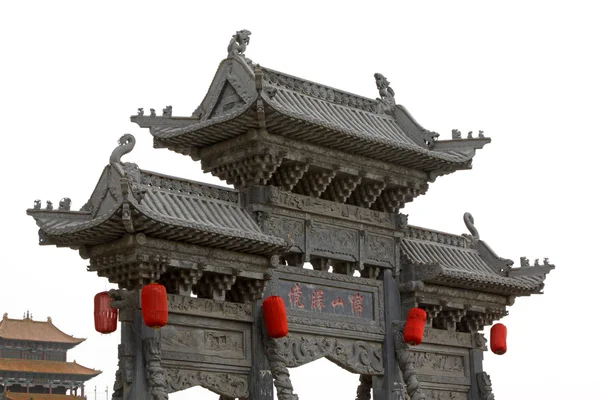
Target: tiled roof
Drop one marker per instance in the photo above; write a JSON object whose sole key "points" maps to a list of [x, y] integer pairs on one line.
{"points": [[41, 396], [39, 331], [310, 112], [462, 265], [196, 213], [45, 367]]}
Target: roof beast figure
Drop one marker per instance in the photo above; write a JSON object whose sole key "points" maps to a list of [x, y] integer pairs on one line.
{"points": [[238, 43]]}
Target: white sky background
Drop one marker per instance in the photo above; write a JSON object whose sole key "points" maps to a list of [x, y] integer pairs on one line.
{"points": [[526, 73]]}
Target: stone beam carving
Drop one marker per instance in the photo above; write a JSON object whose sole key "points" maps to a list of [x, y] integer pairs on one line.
{"points": [[402, 353], [363, 392], [355, 356], [314, 183], [228, 385], [154, 371], [484, 384], [341, 188], [365, 194], [288, 175], [281, 375]]}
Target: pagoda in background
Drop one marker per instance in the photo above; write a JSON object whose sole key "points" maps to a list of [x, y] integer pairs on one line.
{"points": [[33, 361]]}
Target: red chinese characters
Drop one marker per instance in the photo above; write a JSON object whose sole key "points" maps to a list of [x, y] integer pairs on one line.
{"points": [[295, 296], [337, 303], [317, 300], [356, 302]]}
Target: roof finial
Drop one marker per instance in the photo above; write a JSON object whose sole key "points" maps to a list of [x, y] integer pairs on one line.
{"points": [[238, 43], [5, 316], [26, 315], [126, 144], [385, 91], [470, 223]]}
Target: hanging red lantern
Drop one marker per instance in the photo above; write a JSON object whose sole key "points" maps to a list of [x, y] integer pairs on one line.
{"points": [[498, 339], [105, 317], [415, 326], [275, 317], [155, 306]]}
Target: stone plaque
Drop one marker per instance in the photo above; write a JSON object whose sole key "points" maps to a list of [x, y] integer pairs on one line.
{"points": [[300, 296], [187, 339]]}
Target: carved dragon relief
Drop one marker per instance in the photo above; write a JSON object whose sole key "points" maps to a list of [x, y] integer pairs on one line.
{"points": [[155, 373], [281, 375], [402, 353], [484, 384], [355, 356], [226, 384]]}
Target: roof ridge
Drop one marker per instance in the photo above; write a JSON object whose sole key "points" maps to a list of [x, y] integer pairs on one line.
{"points": [[319, 90]]}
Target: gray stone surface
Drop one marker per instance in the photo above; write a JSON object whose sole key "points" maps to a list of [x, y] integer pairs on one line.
{"points": [[320, 176]]}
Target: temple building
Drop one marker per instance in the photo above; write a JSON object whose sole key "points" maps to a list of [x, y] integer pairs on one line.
{"points": [[319, 178], [33, 361]]}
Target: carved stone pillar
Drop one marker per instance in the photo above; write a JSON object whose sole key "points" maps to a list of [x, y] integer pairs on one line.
{"points": [[402, 352], [363, 392], [132, 363], [389, 387], [261, 386], [280, 373], [481, 385]]}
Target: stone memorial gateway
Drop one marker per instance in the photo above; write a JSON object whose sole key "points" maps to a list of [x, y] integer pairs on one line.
{"points": [[319, 178]]}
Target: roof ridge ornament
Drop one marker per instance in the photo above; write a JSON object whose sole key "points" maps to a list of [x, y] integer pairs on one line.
{"points": [[126, 144], [470, 223], [386, 92], [238, 43]]}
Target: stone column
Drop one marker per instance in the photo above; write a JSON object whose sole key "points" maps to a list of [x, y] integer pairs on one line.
{"points": [[390, 385], [261, 379]]}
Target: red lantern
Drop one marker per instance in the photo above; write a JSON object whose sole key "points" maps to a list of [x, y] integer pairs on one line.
{"points": [[275, 317], [105, 317], [415, 326], [498, 341], [155, 306]]}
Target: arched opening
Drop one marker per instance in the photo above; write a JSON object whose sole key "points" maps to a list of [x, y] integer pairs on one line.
{"points": [[322, 379], [196, 392]]}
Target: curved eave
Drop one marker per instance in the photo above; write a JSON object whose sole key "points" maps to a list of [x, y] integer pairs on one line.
{"points": [[195, 135], [287, 123], [485, 283], [110, 227]]}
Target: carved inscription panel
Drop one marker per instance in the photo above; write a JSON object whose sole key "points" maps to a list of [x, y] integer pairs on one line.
{"points": [[441, 364], [223, 343], [438, 364], [300, 296], [320, 299]]}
